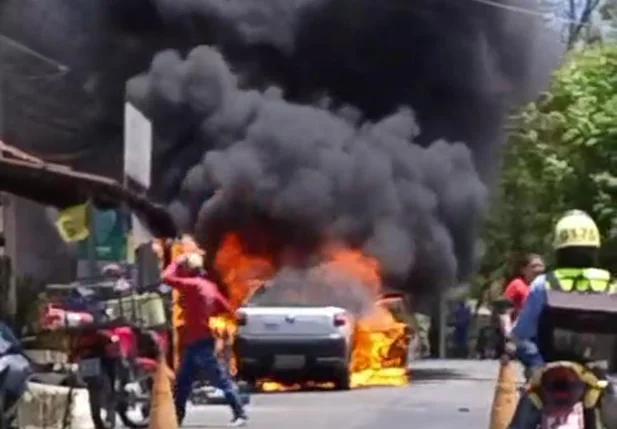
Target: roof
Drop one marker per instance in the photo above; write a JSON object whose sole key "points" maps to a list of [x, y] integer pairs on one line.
{"points": [[57, 185]]}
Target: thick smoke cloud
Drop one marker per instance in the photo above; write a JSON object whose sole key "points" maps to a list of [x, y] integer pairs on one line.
{"points": [[377, 123]]}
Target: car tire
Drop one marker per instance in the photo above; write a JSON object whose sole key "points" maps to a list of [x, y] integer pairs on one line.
{"points": [[248, 380], [342, 379]]}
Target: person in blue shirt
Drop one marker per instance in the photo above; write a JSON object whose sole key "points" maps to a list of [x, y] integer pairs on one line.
{"points": [[462, 321], [576, 244]]}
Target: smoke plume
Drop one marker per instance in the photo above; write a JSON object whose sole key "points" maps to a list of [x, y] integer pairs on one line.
{"points": [[374, 123]]}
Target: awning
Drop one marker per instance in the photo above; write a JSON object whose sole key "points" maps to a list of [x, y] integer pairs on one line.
{"points": [[60, 186]]}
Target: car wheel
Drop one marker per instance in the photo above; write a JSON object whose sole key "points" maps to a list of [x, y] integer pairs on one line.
{"points": [[248, 380], [342, 380]]}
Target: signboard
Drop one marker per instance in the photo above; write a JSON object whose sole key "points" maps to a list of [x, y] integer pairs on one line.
{"points": [[137, 163], [137, 146]]}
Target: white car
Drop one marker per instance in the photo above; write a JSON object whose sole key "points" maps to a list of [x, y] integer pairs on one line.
{"points": [[293, 342]]}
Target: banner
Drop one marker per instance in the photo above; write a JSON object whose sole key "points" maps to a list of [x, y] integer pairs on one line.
{"points": [[72, 223], [110, 237]]}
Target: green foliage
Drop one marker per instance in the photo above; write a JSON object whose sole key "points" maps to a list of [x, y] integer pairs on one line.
{"points": [[561, 154]]}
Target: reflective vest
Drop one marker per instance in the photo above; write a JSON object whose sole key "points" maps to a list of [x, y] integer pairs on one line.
{"points": [[581, 280]]}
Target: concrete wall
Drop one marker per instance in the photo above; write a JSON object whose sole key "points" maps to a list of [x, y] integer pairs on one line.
{"points": [[36, 250]]}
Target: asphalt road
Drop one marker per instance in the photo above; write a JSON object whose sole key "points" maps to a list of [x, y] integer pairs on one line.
{"points": [[442, 394]]}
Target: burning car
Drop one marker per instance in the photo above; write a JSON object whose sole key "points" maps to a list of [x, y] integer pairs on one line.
{"points": [[280, 336], [290, 340]]}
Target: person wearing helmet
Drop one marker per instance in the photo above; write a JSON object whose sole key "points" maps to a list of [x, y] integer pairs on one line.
{"points": [[557, 302], [200, 300]]}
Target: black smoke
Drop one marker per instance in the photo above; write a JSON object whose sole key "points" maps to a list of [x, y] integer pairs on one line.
{"points": [[376, 123]]}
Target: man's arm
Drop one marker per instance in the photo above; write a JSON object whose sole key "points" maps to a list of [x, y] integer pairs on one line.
{"points": [[170, 276], [512, 294], [526, 326]]}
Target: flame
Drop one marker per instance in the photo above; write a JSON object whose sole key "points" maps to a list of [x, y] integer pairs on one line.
{"points": [[380, 351], [380, 346], [380, 342], [242, 273]]}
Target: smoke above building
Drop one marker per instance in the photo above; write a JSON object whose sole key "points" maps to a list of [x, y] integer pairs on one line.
{"points": [[373, 123]]}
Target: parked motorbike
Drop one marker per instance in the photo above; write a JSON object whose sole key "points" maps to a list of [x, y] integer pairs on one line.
{"points": [[116, 359], [568, 395]]}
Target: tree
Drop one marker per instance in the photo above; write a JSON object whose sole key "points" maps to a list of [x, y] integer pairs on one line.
{"points": [[578, 18], [561, 154]]}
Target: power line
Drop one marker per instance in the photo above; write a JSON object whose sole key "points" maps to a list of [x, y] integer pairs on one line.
{"points": [[20, 46], [527, 11]]}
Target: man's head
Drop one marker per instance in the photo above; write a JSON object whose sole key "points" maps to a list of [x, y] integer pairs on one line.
{"points": [[577, 240], [530, 266], [113, 271]]}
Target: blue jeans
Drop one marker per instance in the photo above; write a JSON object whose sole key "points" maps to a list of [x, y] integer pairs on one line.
{"points": [[527, 416], [200, 357], [528, 353]]}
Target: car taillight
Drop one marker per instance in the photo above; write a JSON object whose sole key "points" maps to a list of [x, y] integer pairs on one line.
{"points": [[240, 318], [340, 320]]}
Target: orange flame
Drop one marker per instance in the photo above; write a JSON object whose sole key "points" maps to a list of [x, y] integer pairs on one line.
{"points": [[242, 273]]}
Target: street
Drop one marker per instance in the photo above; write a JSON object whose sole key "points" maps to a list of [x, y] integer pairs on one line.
{"points": [[442, 394]]}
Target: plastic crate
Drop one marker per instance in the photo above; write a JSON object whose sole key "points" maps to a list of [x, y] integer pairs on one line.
{"points": [[146, 310]]}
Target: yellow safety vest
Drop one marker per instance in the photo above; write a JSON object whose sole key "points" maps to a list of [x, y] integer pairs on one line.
{"points": [[582, 280]]}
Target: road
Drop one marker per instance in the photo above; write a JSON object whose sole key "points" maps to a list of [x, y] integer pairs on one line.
{"points": [[442, 394]]}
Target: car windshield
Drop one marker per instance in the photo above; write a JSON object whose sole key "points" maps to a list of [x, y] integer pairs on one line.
{"points": [[287, 293], [272, 296]]}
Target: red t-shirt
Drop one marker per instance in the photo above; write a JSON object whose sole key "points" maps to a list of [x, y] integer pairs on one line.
{"points": [[516, 292], [199, 299]]}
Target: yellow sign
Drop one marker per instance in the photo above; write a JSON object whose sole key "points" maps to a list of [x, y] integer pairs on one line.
{"points": [[72, 223]]}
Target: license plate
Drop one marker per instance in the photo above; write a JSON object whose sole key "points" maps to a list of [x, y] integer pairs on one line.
{"points": [[90, 367], [272, 326], [289, 361], [564, 419]]}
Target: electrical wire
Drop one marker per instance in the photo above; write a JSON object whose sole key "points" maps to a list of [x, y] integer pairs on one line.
{"points": [[531, 12], [21, 47]]}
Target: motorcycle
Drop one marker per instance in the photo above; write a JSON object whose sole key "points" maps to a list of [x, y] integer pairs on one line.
{"points": [[116, 360], [568, 395]]}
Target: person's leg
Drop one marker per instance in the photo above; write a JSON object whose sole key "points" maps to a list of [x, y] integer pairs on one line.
{"points": [[184, 381], [219, 377], [528, 353]]}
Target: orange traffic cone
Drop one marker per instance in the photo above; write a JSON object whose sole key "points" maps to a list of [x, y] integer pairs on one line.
{"points": [[163, 410], [506, 397]]}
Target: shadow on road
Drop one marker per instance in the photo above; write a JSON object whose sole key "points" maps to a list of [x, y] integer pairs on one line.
{"points": [[436, 374]]}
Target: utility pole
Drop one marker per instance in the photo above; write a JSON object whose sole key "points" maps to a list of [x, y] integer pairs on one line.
{"points": [[7, 206]]}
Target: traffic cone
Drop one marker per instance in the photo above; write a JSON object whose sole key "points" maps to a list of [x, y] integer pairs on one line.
{"points": [[506, 397], [163, 410]]}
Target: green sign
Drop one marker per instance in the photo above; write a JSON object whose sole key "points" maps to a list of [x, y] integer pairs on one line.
{"points": [[109, 235]]}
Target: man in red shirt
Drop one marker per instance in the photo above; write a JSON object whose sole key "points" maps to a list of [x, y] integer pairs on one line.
{"points": [[200, 300]]}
